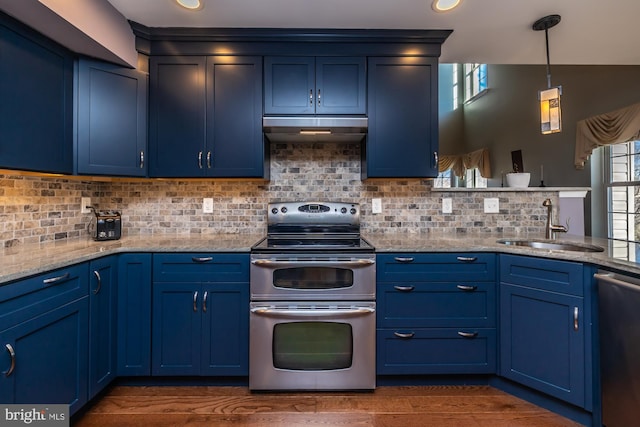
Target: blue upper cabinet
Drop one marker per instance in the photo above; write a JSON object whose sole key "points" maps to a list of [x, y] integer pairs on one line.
{"points": [[36, 101], [205, 117], [315, 85], [177, 100], [403, 118], [111, 120]]}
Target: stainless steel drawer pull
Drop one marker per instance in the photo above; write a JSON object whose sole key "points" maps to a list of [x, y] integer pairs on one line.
{"points": [[204, 301], [467, 288], [202, 259], [575, 318], [319, 96], [404, 288], [404, 335], [311, 97], [468, 334], [52, 280], [12, 354], [141, 159], [195, 301], [97, 289], [467, 259], [403, 259]]}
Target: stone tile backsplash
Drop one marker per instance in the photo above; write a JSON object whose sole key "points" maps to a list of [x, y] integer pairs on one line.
{"points": [[39, 209]]}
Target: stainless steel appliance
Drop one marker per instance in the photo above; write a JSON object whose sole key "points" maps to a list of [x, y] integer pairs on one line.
{"points": [[312, 311], [619, 316]]}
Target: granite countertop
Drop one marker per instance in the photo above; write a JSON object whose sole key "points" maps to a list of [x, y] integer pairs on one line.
{"points": [[23, 261]]}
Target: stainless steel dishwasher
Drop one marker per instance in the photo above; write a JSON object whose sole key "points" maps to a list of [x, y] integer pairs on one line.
{"points": [[619, 310]]}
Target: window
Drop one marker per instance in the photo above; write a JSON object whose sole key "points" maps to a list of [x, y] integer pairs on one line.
{"points": [[475, 80], [469, 81], [443, 180], [623, 195], [474, 179]]}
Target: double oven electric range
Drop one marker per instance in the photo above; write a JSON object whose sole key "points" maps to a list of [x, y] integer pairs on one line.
{"points": [[312, 311]]}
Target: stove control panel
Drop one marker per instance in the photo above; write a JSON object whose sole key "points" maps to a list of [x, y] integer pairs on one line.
{"points": [[317, 213]]}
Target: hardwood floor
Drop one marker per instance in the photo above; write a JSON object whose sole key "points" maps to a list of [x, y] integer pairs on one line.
{"points": [[433, 406]]}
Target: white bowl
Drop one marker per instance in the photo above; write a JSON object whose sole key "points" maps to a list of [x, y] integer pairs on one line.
{"points": [[518, 180]]}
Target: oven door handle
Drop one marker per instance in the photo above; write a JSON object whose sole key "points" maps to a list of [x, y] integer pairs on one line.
{"points": [[278, 263], [301, 312]]}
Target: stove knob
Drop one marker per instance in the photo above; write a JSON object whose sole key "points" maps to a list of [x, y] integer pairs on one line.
{"points": [[353, 211], [343, 210], [284, 210], [274, 211]]}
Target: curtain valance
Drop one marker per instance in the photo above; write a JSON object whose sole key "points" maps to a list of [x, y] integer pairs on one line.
{"points": [[459, 162]]}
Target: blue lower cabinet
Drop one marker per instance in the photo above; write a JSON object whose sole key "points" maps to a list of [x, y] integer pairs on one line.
{"points": [[44, 359], [134, 315], [200, 329], [436, 351], [542, 341], [102, 319]]}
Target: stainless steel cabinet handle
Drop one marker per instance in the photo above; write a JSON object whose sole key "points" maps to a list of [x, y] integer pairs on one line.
{"points": [[466, 259], [319, 96], [141, 159], [204, 301], [468, 334], [195, 301], [200, 159], [310, 96], [12, 354], [435, 158], [575, 318], [202, 259], [404, 335], [404, 288], [404, 259], [97, 289], [208, 159], [53, 280], [467, 288]]}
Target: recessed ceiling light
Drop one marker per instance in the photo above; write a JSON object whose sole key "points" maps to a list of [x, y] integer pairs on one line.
{"points": [[190, 4], [445, 5]]}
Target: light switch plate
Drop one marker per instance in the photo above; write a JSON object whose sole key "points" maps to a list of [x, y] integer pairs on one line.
{"points": [[492, 205], [376, 206], [447, 205], [207, 205]]}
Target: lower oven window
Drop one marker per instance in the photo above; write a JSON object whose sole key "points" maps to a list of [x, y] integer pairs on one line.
{"points": [[312, 346], [313, 278]]}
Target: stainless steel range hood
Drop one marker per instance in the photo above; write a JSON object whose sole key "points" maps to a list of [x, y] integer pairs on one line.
{"points": [[314, 129]]}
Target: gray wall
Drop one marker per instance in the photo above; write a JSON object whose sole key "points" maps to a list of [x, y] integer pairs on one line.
{"points": [[507, 118]]}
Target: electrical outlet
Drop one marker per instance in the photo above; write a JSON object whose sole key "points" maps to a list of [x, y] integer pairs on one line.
{"points": [[492, 205], [376, 206], [207, 205], [84, 202], [447, 206]]}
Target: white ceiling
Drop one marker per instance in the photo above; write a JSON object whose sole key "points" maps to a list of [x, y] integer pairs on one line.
{"points": [[485, 31]]}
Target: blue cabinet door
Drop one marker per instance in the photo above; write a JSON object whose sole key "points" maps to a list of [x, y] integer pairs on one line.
{"points": [[36, 107], [289, 85], [177, 116], [176, 332], [225, 329], [112, 120], [134, 314], [542, 341], [235, 143], [50, 358], [102, 317], [403, 118], [308, 85]]}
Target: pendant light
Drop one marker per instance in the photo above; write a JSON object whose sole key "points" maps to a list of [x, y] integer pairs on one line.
{"points": [[550, 114], [190, 4]]}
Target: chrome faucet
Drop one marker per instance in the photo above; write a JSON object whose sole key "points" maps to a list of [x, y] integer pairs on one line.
{"points": [[551, 229]]}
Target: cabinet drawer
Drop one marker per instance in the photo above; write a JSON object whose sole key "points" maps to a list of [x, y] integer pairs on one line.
{"points": [[436, 351], [540, 273], [201, 267], [30, 297], [436, 267], [437, 304]]}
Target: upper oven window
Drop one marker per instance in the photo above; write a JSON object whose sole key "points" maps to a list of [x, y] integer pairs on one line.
{"points": [[313, 278]]}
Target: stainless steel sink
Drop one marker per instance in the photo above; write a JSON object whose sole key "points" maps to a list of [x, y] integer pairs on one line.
{"points": [[552, 245]]}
